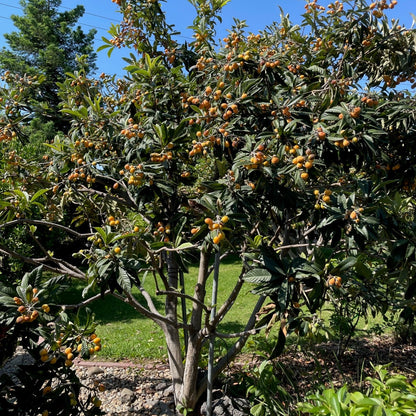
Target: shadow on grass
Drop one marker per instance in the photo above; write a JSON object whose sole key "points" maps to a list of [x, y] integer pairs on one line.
{"points": [[108, 309]]}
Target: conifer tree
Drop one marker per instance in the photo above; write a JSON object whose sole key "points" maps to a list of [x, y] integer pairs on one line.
{"points": [[46, 44]]}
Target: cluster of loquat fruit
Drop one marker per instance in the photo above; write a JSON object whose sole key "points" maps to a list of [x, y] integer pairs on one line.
{"points": [[27, 309], [162, 231], [260, 157], [216, 228], [132, 130], [87, 346], [354, 214], [133, 174], [7, 133], [322, 198], [335, 281]]}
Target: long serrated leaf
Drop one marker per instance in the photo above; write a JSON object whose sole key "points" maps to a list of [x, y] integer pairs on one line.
{"points": [[124, 279], [257, 276]]}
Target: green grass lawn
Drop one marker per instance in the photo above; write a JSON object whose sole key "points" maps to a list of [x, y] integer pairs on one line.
{"points": [[127, 334]]}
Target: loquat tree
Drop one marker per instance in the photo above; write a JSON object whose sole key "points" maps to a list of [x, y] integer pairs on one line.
{"points": [[291, 150]]}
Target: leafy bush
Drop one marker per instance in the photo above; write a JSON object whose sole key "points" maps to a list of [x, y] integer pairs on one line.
{"points": [[389, 395], [47, 384]]}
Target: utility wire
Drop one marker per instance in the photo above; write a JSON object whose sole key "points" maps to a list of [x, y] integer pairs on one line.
{"points": [[81, 23], [63, 7]]}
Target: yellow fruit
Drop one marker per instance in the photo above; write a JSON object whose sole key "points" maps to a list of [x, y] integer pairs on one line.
{"points": [[117, 250], [97, 340], [68, 363], [70, 356], [224, 219], [43, 351], [44, 358], [68, 350], [46, 308], [304, 176]]}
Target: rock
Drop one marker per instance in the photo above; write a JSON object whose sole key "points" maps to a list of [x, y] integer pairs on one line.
{"points": [[223, 405], [93, 371], [127, 395]]}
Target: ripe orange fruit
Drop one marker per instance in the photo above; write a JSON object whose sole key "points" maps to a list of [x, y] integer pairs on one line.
{"points": [[224, 219], [353, 215], [68, 350], [97, 340], [117, 250], [43, 351], [208, 221], [321, 135], [304, 175]]}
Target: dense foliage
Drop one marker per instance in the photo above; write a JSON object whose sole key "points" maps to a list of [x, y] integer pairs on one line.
{"points": [[292, 149]]}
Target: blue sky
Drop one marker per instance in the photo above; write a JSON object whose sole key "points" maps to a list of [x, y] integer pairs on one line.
{"points": [[258, 14]]}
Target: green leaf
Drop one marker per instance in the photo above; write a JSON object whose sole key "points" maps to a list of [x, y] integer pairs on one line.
{"points": [[185, 246], [345, 265], [124, 279], [257, 276]]}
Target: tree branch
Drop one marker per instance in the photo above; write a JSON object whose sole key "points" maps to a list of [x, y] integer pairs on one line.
{"points": [[46, 224], [62, 268], [183, 295]]}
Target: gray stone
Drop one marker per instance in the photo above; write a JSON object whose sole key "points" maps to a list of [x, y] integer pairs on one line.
{"points": [[93, 371], [127, 395], [223, 405]]}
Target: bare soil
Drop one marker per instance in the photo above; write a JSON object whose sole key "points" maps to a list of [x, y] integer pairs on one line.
{"points": [[303, 371]]}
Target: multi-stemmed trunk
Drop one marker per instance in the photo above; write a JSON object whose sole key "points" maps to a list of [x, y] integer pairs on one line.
{"points": [[188, 386]]}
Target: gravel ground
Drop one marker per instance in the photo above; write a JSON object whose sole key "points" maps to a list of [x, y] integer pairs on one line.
{"points": [[130, 389]]}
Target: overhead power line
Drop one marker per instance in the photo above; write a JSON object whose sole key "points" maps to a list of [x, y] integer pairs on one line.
{"points": [[63, 7], [81, 23]]}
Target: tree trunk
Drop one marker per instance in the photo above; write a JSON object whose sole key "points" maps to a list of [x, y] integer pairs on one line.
{"points": [[171, 332], [189, 394]]}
